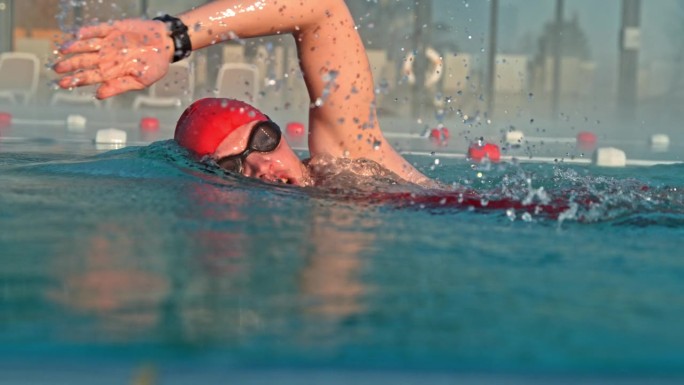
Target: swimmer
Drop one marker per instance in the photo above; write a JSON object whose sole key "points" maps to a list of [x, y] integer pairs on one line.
{"points": [[132, 54]]}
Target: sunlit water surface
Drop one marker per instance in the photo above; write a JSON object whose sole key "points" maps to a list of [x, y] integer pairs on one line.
{"points": [[142, 256]]}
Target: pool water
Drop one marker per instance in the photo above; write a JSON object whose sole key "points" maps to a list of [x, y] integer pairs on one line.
{"points": [[139, 258]]}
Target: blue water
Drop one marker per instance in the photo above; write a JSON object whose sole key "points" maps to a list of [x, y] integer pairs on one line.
{"points": [[141, 256]]}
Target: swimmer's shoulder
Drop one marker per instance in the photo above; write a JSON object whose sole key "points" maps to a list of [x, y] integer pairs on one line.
{"points": [[361, 174]]}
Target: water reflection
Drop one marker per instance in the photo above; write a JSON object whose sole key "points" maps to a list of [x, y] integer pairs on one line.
{"points": [[228, 266], [219, 248], [105, 280], [208, 302], [334, 263]]}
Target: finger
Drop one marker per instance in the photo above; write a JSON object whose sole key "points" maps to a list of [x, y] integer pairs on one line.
{"points": [[99, 73], [83, 78], [82, 46], [78, 62], [118, 86], [93, 31]]}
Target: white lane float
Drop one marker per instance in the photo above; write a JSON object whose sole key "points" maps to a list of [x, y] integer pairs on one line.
{"points": [[110, 139], [660, 142], [609, 157], [514, 138], [76, 123]]}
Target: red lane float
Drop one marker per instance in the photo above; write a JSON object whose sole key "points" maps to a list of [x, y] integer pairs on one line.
{"points": [[586, 140], [149, 124], [439, 136], [478, 152], [445, 133], [5, 119], [295, 129]]}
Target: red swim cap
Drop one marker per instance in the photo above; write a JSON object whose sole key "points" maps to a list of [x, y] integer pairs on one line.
{"points": [[207, 122]]}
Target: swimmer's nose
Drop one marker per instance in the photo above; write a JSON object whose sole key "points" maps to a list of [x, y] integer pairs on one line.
{"points": [[260, 167], [265, 166]]}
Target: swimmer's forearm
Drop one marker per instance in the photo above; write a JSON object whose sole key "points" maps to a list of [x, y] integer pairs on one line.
{"points": [[231, 19]]}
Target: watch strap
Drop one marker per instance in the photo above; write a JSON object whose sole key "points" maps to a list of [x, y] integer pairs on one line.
{"points": [[182, 47]]}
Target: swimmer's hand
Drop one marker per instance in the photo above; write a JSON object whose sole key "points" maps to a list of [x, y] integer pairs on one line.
{"points": [[121, 56]]}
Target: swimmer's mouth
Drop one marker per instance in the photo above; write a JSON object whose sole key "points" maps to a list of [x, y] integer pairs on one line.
{"points": [[287, 181], [281, 180]]}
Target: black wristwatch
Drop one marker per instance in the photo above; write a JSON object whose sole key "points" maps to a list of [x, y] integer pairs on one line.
{"points": [[182, 47]]}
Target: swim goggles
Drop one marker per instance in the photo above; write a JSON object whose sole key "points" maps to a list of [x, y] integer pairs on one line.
{"points": [[265, 137]]}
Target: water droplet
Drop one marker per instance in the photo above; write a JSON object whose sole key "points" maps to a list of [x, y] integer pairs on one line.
{"points": [[510, 213]]}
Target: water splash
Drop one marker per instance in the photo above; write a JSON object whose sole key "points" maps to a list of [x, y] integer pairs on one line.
{"points": [[557, 194], [516, 193], [66, 19], [73, 14]]}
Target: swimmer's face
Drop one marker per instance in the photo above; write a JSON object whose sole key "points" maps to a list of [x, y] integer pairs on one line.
{"points": [[280, 165]]}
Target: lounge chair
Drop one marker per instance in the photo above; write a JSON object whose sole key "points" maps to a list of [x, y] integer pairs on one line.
{"points": [[238, 81], [19, 74], [170, 92], [78, 96]]}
